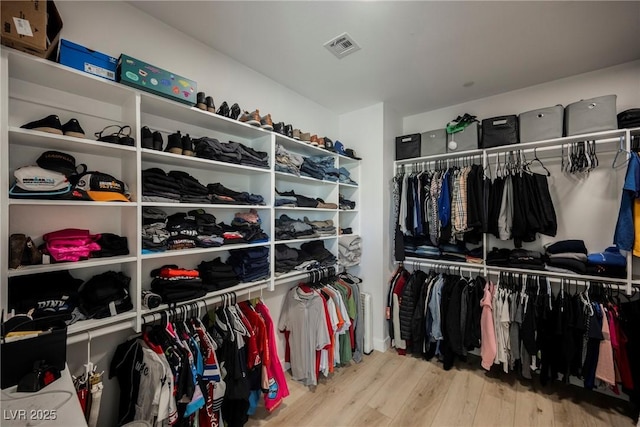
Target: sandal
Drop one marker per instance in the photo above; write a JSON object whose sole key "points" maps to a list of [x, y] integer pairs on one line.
{"points": [[117, 135]]}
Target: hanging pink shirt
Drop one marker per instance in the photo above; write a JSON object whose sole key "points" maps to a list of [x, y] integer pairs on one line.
{"points": [[488, 346]]}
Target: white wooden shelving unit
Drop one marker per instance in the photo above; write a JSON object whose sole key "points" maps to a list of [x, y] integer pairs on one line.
{"points": [[32, 88]]}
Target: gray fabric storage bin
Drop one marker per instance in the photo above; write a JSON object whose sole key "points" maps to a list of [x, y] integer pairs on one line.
{"points": [[591, 115], [465, 140], [541, 124], [433, 142]]}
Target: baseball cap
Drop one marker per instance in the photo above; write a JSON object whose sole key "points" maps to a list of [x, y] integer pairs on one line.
{"points": [[339, 148], [57, 161], [34, 179], [100, 187]]}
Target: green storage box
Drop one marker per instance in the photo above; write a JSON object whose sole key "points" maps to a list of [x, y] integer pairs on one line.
{"points": [[138, 74]]}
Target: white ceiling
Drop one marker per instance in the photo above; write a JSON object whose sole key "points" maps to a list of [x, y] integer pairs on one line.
{"points": [[415, 56]]}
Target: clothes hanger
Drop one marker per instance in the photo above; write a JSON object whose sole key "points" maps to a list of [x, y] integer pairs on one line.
{"points": [[620, 150], [536, 159]]}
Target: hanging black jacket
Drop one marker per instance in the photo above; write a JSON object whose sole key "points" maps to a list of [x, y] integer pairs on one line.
{"points": [[410, 295]]}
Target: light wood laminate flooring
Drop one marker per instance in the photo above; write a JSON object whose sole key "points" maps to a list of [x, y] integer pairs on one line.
{"points": [[391, 390]]}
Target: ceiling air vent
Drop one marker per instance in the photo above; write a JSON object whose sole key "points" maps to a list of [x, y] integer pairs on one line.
{"points": [[342, 45]]}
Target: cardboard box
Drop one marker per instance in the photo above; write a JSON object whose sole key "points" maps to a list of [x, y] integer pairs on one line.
{"points": [[90, 61], [31, 26], [138, 74]]}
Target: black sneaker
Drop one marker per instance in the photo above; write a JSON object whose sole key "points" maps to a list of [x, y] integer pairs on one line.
{"points": [[175, 143], [328, 144], [235, 111], [49, 124], [147, 138], [201, 101], [279, 128], [187, 146], [223, 110], [73, 128], [288, 131], [157, 141]]}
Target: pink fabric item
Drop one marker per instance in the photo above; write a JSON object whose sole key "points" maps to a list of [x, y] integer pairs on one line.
{"points": [[67, 233], [605, 370], [488, 345], [278, 388], [71, 244]]}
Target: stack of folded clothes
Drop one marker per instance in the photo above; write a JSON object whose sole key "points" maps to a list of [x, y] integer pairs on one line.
{"points": [[286, 258], [530, 260], [249, 225], [345, 176], [191, 190], [420, 247], [499, 257], [322, 228], [451, 252], [315, 251], [175, 284], [287, 228], [157, 186], [217, 275], [230, 152], [566, 256], [209, 232], [350, 250], [291, 199], [609, 263], [320, 167], [154, 230], [311, 255], [346, 204], [220, 194], [250, 264], [183, 231], [287, 161]]}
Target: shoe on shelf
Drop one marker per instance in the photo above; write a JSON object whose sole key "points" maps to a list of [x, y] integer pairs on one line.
{"points": [[328, 144], [147, 138], [296, 134], [174, 145], [115, 134], [49, 124], [288, 131], [210, 106], [234, 112], [252, 118], [73, 128], [305, 137], [201, 101], [266, 122], [187, 146], [321, 142], [223, 110], [157, 141], [279, 128], [314, 140]]}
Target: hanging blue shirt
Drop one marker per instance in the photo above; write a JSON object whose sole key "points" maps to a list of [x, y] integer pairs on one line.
{"points": [[444, 201], [624, 234]]}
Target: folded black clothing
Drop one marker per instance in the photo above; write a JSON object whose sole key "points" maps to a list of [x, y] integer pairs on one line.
{"points": [[499, 257], [242, 197], [284, 252], [188, 182], [105, 293], [215, 271], [157, 176], [178, 290], [606, 271], [195, 199], [576, 246], [54, 292], [569, 264], [182, 222], [526, 266], [111, 245]]}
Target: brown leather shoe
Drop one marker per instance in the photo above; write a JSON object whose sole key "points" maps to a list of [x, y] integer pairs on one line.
{"points": [[252, 118], [321, 142], [314, 140], [266, 122]]}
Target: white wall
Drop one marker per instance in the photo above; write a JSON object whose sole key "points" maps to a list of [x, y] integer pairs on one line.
{"points": [[622, 80], [116, 27], [370, 131]]}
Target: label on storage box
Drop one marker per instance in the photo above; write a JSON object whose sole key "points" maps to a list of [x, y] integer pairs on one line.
{"points": [[23, 27], [99, 71]]}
